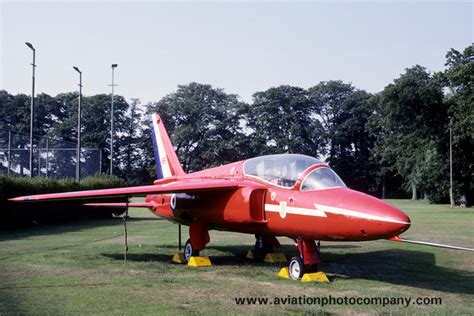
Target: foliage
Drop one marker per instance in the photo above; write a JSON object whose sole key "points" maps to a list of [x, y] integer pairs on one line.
{"points": [[394, 140], [412, 115], [344, 112], [24, 213], [459, 78], [281, 121], [203, 123]]}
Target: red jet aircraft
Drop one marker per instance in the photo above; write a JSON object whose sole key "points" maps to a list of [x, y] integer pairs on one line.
{"points": [[290, 195]]}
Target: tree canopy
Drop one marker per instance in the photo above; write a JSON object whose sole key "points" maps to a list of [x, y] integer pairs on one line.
{"points": [[384, 143]]}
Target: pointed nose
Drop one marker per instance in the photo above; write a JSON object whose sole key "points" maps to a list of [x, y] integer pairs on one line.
{"points": [[397, 220], [381, 220]]}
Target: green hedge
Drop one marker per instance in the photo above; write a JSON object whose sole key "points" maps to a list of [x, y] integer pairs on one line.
{"points": [[12, 213]]}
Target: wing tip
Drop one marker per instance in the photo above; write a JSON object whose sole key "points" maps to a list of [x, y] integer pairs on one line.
{"points": [[19, 199]]}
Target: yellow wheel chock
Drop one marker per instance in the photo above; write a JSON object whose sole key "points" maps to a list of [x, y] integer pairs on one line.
{"points": [[178, 257], [319, 277], [199, 262], [275, 257]]}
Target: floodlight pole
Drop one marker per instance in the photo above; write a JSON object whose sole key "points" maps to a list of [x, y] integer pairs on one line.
{"points": [[31, 107], [112, 122], [451, 197], [9, 150], [78, 150]]}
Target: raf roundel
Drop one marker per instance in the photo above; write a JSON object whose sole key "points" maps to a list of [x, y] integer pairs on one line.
{"points": [[173, 201], [273, 196]]}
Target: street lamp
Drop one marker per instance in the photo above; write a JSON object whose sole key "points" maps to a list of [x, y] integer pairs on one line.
{"points": [[451, 196], [112, 122], [31, 107], [78, 150]]}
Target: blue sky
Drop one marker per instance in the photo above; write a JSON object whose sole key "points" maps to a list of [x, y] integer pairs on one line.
{"points": [[242, 47]]}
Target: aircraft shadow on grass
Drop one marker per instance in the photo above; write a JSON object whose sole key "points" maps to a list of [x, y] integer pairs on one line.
{"points": [[417, 269], [14, 233]]}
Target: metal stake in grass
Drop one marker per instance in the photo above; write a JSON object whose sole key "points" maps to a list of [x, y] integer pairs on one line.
{"points": [[179, 237], [125, 232]]}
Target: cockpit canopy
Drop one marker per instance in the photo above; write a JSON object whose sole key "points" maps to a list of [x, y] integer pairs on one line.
{"points": [[285, 169], [321, 178]]}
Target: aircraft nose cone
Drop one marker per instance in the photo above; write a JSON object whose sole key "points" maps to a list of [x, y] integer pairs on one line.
{"points": [[399, 221], [385, 220], [393, 221]]}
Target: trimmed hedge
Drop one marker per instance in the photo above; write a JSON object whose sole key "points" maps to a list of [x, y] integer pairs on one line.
{"points": [[13, 214]]}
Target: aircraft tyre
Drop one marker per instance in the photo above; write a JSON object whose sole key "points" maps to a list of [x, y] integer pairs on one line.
{"points": [[296, 268], [189, 251], [262, 248]]}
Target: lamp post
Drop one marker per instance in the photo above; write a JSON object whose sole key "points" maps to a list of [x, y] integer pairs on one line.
{"points": [[31, 107], [451, 196], [78, 150], [112, 122]]}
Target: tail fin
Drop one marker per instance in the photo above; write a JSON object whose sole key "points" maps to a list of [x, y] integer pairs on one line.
{"points": [[167, 163]]}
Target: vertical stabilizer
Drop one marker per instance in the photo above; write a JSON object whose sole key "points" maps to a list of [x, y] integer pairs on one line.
{"points": [[167, 163]]}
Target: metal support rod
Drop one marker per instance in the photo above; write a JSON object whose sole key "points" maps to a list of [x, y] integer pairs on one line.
{"points": [[9, 157], [112, 123], [100, 161], [179, 237], [47, 156], [38, 153], [451, 197], [125, 232], [78, 150], [32, 108]]}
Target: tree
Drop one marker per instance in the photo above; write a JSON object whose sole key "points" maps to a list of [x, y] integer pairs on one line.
{"points": [[413, 119], [96, 126], [460, 80], [130, 153], [344, 112], [280, 121], [203, 123]]}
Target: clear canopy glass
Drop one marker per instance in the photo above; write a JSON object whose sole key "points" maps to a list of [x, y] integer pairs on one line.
{"points": [[283, 170], [322, 178]]}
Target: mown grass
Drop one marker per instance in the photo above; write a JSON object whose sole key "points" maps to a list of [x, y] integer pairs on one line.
{"points": [[78, 268]]}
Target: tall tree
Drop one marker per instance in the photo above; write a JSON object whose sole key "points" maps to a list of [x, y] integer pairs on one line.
{"points": [[460, 79], [344, 112], [280, 121], [130, 152], [413, 119], [96, 126], [203, 123]]}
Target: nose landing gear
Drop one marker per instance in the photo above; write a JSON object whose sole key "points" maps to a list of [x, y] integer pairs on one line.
{"points": [[307, 261]]}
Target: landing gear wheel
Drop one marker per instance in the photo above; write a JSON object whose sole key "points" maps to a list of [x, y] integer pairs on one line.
{"points": [[189, 251], [262, 248], [296, 268]]}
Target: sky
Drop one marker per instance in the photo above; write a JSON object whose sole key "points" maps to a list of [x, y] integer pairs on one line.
{"points": [[242, 47]]}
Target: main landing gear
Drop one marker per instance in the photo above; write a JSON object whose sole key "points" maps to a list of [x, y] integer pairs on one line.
{"points": [[199, 238], [307, 261], [189, 251], [262, 247]]}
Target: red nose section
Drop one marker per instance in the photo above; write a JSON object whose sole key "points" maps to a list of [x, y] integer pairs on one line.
{"points": [[376, 218], [362, 216]]}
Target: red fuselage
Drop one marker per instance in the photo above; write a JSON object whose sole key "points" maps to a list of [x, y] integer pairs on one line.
{"points": [[259, 206]]}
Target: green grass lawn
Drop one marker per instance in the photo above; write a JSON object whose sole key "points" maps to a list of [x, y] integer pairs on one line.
{"points": [[78, 268]]}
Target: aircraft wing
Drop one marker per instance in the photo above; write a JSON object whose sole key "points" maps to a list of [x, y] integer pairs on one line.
{"points": [[121, 205], [178, 186]]}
